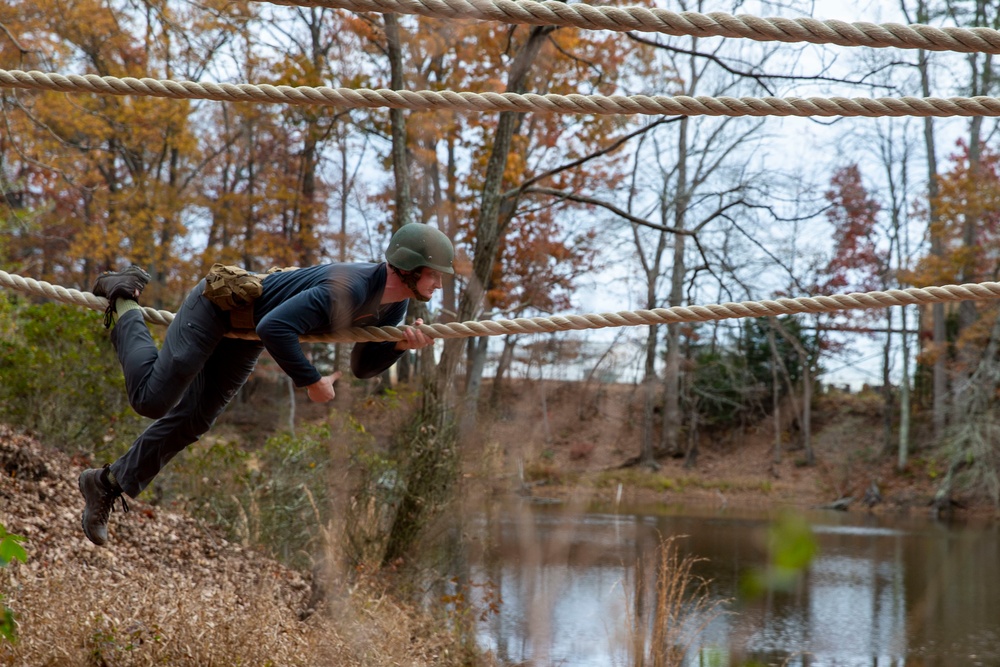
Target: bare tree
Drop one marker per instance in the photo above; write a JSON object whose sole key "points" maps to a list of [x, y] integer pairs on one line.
{"points": [[700, 178], [895, 151]]}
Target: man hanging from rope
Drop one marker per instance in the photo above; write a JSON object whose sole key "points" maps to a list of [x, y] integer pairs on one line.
{"points": [[187, 384]]}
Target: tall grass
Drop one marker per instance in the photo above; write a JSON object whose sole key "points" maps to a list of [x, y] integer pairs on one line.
{"points": [[272, 498], [669, 627]]}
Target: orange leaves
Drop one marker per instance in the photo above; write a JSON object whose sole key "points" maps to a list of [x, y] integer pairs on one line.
{"points": [[967, 225], [111, 175], [153, 180], [539, 252]]}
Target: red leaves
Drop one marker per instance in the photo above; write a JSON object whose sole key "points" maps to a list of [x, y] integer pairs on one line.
{"points": [[858, 263]]}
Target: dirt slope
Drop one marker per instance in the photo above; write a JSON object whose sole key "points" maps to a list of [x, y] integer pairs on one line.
{"points": [[167, 590]]}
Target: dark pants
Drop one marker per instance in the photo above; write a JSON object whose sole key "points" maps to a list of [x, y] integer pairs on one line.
{"points": [[184, 386]]}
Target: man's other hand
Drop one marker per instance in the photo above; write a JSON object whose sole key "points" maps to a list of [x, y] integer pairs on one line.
{"points": [[322, 391]]}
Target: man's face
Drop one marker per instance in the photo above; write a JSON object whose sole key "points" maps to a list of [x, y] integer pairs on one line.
{"points": [[428, 281]]}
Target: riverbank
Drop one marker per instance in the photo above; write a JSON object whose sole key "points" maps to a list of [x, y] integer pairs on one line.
{"points": [[571, 438], [556, 440]]}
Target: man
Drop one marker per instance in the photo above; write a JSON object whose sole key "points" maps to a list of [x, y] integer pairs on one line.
{"points": [[187, 384]]}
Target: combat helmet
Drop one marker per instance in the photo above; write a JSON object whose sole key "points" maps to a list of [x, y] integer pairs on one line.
{"points": [[415, 245]]}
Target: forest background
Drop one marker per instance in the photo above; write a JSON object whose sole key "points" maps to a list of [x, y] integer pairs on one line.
{"points": [[549, 214]]}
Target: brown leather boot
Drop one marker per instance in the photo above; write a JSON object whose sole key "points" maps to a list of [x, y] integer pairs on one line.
{"points": [[125, 284], [99, 494]]}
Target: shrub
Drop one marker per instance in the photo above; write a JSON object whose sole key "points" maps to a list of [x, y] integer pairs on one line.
{"points": [[274, 498], [671, 631], [59, 377]]}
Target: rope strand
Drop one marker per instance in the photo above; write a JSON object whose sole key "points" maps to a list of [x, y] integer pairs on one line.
{"points": [[714, 24], [425, 100], [534, 325]]}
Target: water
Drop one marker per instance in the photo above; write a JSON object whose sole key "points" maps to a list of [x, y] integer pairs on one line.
{"points": [[879, 592]]}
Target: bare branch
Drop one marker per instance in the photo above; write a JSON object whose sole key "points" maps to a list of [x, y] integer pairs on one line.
{"points": [[615, 145], [583, 199], [575, 58], [13, 39], [767, 252], [761, 78]]}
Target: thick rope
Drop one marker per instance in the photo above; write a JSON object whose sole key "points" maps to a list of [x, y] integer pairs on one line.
{"points": [[715, 24], [534, 325], [493, 102]]}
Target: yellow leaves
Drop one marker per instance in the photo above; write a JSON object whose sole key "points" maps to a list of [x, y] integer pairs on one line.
{"points": [[362, 28], [516, 167], [124, 174]]}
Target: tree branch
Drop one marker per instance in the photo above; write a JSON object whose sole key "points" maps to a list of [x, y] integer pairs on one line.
{"points": [[583, 199], [759, 78], [615, 145]]}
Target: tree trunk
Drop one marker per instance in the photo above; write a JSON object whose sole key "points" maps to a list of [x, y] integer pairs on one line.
{"points": [[775, 393], [306, 212], [503, 366], [400, 164], [981, 84], [543, 399], [397, 121], [807, 387], [974, 432], [939, 335], [691, 458], [672, 374], [449, 310], [888, 404], [473, 386], [899, 245], [647, 456], [339, 355], [805, 416], [904, 399], [488, 225]]}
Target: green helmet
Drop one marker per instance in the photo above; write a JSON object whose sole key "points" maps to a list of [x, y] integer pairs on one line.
{"points": [[415, 245]]}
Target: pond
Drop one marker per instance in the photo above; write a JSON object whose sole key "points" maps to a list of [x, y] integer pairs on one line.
{"points": [[879, 591]]}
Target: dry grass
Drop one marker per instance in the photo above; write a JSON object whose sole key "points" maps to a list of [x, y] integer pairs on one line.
{"points": [[64, 621], [669, 628]]}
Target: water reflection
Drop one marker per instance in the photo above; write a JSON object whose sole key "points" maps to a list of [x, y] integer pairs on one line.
{"points": [[880, 591]]}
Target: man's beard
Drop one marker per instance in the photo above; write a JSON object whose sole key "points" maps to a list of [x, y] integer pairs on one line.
{"points": [[410, 279]]}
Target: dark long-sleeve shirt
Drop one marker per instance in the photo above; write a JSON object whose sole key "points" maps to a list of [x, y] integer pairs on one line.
{"points": [[322, 300]]}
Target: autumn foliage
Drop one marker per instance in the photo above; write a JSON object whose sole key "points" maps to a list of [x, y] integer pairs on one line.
{"points": [[94, 181], [858, 261], [968, 206]]}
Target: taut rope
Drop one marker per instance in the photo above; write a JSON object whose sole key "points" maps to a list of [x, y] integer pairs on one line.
{"points": [[424, 100], [714, 24], [610, 18], [534, 325]]}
